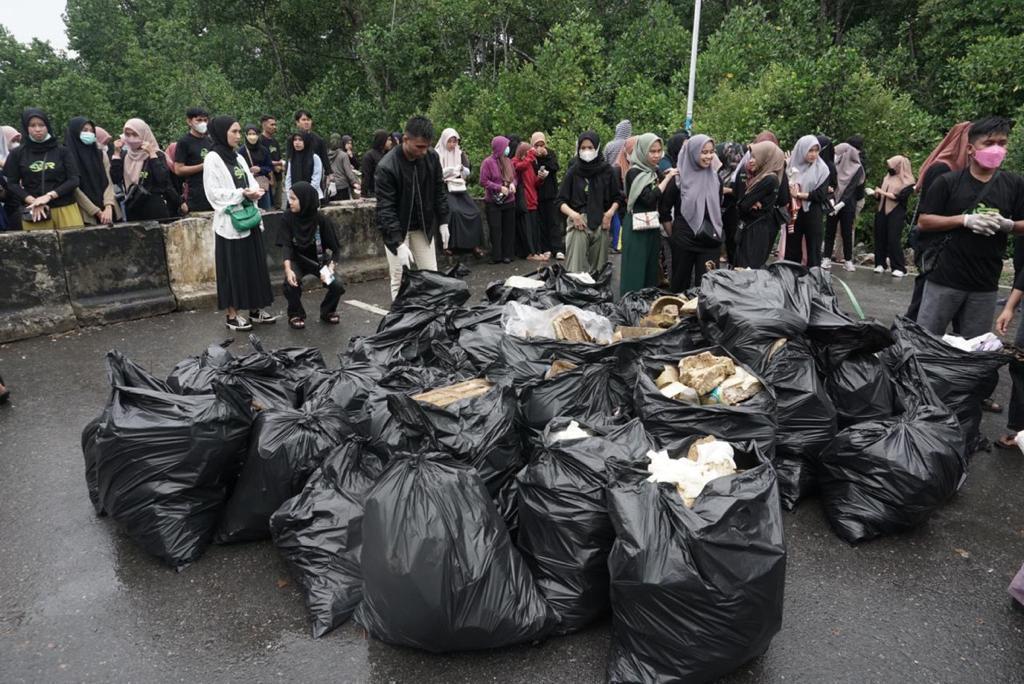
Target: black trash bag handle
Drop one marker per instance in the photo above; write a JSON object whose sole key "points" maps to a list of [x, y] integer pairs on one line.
{"points": [[256, 343], [409, 413]]}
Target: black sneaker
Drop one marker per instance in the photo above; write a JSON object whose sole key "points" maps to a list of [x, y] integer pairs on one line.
{"points": [[262, 317], [238, 323]]}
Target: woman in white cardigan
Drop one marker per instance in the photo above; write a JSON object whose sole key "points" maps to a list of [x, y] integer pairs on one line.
{"points": [[243, 281]]}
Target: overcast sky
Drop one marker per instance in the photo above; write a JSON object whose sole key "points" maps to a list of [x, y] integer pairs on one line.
{"points": [[28, 19]]}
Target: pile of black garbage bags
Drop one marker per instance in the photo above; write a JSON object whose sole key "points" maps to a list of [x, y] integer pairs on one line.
{"points": [[493, 520]]}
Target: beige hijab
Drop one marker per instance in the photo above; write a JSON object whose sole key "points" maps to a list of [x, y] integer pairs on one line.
{"points": [[771, 161], [895, 183]]}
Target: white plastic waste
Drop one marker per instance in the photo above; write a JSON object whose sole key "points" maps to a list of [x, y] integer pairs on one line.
{"points": [[582, 277], [525, 321], [572, 431], [985, 343], [714, 460], [1019, 439], [523, 283]]}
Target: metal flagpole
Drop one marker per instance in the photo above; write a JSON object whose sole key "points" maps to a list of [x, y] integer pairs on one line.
{"points": [[693, 67]]}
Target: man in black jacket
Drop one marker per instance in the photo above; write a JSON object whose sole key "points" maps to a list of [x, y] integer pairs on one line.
{"points": [[412, 205]]}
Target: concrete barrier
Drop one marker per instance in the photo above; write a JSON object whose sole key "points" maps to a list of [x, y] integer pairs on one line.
{"points": [[33, 290], [117, 273], [191, 269], [53, 282]]}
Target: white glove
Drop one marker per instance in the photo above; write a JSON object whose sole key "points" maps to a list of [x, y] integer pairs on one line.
{"points": [[1004, 224], [981, 224], [445, 235], [404, 255], [332, 189]]}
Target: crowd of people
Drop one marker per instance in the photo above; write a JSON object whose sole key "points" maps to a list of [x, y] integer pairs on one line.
{"points": [[675, 209]]}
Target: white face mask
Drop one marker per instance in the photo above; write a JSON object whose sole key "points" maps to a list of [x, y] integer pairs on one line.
{"points": [[588, 155], [200, 128]]}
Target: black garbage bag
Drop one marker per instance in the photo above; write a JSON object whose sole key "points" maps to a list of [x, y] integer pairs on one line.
{"points": [[860, 389], [124, 372], [746, 312], [402, 338], [543, 297], [482, 431], [439, 570], [591, 393], [886, 476], [264, 377], [286, 446], [695, 592], [684, 336], [673, 422], [347, 387], [837, 333], [635, 305], [297, 363], [961, 379], [430, 290], [164, 462], [482, 344], [521, 360], [319, 534], [806, 417], [376, 423], [571, 290], [565, 533]]}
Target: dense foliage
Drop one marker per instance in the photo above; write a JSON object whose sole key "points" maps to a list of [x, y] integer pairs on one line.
{"points": [[897, 71]]}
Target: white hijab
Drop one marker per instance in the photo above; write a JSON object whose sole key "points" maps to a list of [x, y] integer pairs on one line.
{"points": [[451, 159], [808, 176]]}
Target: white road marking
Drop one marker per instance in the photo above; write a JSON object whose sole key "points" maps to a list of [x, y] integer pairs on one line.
{"points": [[367, 307]]}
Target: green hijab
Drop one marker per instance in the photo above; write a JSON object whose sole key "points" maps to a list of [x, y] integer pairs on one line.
{"points": [[638, 160]]}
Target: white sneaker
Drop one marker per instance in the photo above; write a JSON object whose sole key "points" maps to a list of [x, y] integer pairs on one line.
{"points": [[879, 269], [898, 274], [560, 256], [826, 264], [848, 266]]}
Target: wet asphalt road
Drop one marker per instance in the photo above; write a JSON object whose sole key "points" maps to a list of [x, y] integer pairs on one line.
{"points": [[79, 603]]}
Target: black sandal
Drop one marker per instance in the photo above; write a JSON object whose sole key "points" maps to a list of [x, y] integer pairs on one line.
{"points": [[331, 318], [1000, 444], [297, 322], [991, 406], [5, 393]]}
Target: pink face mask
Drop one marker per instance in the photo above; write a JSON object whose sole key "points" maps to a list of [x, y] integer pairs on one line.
{"points": [[990, 157]]}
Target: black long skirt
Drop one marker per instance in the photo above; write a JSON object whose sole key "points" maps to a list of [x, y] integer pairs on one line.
{"points": [[464, 223], [243, 281], [528, 237]]}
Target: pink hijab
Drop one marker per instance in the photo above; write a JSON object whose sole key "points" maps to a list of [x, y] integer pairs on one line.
{"points": [[7, 136], [135, 159]]}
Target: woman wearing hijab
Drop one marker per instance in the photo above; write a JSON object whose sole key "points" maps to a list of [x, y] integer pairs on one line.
{"points": [[849, 178], [590, 195], [757, 199], [311, 247], [140, 168], [527, 181], [466, 230], [693, 205], [949, 155], [95, 192], [549, 217], [303, 164], [368, 167], [499, 182], [341, 166], [10, 215], [809, 185], [729, 154], [896, 190], [242, 278], [257, 156], [42, 175], [641, 225]]}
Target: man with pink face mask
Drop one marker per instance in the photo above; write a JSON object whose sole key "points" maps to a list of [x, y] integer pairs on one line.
{"points": [[974, 210]]}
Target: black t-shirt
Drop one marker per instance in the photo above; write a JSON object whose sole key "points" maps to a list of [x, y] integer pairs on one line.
{"points": [[191, 151], [969, 261]]}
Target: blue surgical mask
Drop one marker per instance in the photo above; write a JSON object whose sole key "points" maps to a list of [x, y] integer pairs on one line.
{"points": [[506, 150], [87, 138]]}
